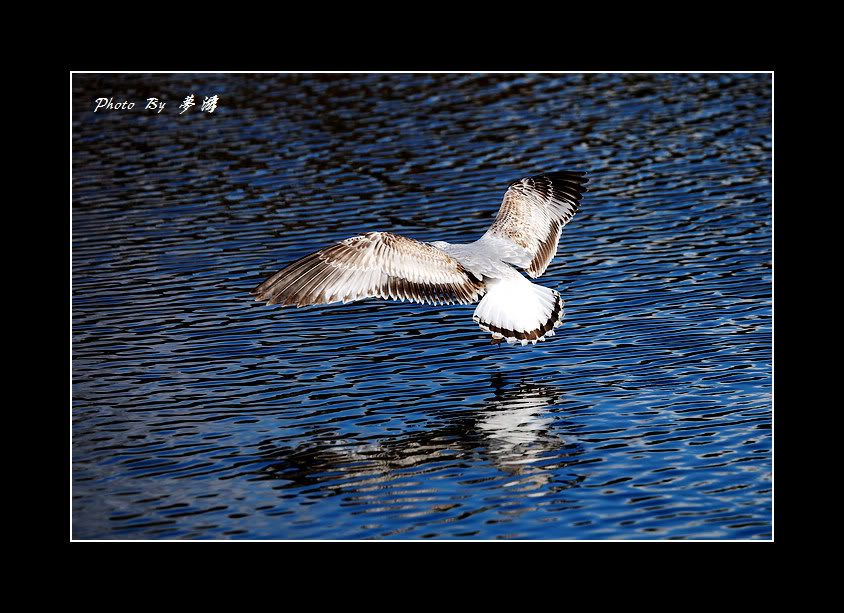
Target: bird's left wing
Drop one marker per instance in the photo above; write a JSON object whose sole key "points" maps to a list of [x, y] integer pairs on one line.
{"points": [[373, 265], [535, 209]]}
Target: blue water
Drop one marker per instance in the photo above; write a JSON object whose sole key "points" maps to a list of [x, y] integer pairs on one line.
{"points": [[201, 414]]}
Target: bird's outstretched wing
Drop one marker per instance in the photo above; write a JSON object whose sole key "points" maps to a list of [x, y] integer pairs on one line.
{"points": [[373, 265], [533, 213]]}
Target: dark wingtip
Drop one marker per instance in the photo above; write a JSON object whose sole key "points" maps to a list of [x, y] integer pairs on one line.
{"points": [[575, 175], [578, 176]]}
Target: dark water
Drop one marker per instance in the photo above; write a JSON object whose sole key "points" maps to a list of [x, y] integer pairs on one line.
{"points": [[198, 413]]}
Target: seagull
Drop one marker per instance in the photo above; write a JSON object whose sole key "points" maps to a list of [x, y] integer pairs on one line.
{"points": [[384, 265]]}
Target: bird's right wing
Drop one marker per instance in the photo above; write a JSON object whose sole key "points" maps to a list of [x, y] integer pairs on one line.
{"points": [[373, 265], [532, 215]]}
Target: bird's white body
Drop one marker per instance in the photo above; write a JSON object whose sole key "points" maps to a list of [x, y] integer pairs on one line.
{"points": [[512, 306], [487, 256]]}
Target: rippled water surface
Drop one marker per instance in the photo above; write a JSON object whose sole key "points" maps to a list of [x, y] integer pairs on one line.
{"points": [[199, 413]]}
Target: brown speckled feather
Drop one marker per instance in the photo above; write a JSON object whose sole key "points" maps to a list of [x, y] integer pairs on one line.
{"points": [[377, 265], [533, 214]]}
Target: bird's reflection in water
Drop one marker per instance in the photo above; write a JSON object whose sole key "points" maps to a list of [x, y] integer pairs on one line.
{"points": [[513, 431], [515, 425]]}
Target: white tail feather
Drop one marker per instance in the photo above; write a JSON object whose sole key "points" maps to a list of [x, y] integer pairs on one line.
{"points": [[518, 311]]}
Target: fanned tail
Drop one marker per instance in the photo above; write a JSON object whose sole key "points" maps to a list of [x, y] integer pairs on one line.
{"points": [[517, 311]]}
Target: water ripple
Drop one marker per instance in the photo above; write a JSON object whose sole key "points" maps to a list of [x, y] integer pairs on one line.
{"points": [[198, 413]]}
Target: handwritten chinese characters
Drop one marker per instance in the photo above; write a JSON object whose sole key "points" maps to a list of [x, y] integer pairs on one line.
{"points": [[186, 104], [209, 104]]}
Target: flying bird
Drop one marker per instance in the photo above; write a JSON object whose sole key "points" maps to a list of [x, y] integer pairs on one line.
{"points": [[524, 234]]}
